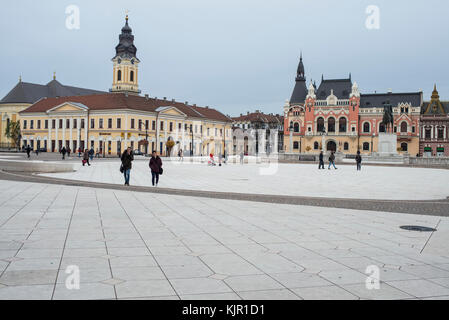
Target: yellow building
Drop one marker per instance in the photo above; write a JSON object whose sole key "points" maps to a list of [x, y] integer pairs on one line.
{"points": [[24, 94], [111, 122]]}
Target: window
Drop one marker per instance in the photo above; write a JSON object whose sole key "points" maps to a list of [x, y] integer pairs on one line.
{"points": [[320, 125], [38, 124], [316, 145], [119, 123], [404, 127], [140, 124], [53, 124], [428, 133], [24, 124], [331, 125], [296, 127], [131, 76], [185, 127], [60, 124], [75, 124], [132, 123], [109, 123], [46, 124], [67, 123], [119, 75], [342, 125], [82, 124], [365, 146], [440, 133], [92, 123], [296, 145], [31, 124], [100, 123], [404, 147], [346, 146], [147, 124], [153, 125], [366, 127], [162, 125], [179, 126], [413, 129], [171, 127], [382, 127]]}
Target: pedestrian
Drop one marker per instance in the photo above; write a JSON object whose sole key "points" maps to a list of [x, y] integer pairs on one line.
{"points": [[97, 153], [63, 151], [181, 155], [79, 152], [37, 152], [91, 154], [332, 160], [127, 158], [225, 157], [28, 150], [358, 160], [86, 157], [220, 159], [321, 166], [242, 156], [156, 168], [68, 151]]}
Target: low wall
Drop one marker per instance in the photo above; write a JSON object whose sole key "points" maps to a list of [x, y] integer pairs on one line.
{"points": [[35, 166], [436, 161]]}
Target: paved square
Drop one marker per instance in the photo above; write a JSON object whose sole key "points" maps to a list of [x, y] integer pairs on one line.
{"points": [[133, 245]]}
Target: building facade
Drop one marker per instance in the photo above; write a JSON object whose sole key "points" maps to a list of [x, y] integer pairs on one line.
{"points": [[336, 117], [266, 131], [24, 94], [111, 122], [434, 141]]}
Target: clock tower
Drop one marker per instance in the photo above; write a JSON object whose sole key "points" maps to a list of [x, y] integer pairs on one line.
{"points": [[126, 64]]}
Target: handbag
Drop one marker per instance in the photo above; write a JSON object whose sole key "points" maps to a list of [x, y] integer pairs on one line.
{"points": [[121, 168], [161, 171]]}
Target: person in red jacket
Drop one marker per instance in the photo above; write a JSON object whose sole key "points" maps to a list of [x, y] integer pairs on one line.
{"points": [[156, 168]]}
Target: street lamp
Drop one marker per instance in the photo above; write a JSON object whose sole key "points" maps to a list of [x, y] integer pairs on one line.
{"points": [[146, 137], [191, 147], [323, 139], [291, 136]]}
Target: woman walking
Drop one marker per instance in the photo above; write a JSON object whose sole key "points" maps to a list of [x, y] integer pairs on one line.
{"points": [[156, 168], [127, 159]]}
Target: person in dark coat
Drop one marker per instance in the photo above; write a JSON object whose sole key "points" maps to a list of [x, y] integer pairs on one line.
{"points": [[127, 159], [321, 166], [86, 157], [28, 150], [156, 168], [63, 151], [332, 161], [358, 160]]}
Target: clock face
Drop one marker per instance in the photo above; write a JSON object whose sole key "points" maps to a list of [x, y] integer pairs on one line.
{"points": [[132, 61], [119, 61]]}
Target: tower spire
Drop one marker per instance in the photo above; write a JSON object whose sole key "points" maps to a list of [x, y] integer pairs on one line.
{"points": [[301, 74]]}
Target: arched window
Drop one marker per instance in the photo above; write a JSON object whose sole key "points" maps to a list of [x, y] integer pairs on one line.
{"points": [[346, 146], [365, 146], [366, 127], [296, 126], [119, 75], [382, 127], [404, 127], [342, 125], [316, 146], [331, 125], [404, 147], [291, 125], [131, 76], [296, 145], [320, 125]]}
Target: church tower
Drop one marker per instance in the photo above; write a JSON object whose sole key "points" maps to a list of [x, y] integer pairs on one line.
{"points": [[126, 64]]}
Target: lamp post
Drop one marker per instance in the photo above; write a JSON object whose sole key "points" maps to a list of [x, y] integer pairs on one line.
{"points": [[146, 138], [323, 139], [191, 133], [291, 137]]}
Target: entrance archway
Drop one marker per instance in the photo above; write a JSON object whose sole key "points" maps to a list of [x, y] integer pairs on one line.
{"points": [[331, 146]]}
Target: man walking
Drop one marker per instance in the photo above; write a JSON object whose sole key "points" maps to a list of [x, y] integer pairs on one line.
{"points": [[332, 160], [28, 149], [91, 154], [321, 166], [63, 151], [358, 160], [156, 168], [127, 158]]}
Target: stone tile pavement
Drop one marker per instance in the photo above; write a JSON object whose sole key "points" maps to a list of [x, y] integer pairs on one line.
{"points": [[132, 245]]}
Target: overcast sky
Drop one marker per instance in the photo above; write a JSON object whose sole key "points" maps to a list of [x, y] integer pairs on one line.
{"points": [[233, 55]]}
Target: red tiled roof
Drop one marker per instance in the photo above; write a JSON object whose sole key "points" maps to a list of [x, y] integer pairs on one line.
{"points": [[259, 116], [114, 101]]}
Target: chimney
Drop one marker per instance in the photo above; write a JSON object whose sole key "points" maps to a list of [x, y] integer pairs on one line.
{"points": [[165, 98], [186, 103], [173, 100], [194, 105], [390, 90], [147, 97]]}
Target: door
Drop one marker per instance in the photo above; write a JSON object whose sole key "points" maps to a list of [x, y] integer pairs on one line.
{"points": [[331, 146]]}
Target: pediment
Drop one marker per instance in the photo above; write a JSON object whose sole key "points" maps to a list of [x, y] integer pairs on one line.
{"points": [[68, 107]]}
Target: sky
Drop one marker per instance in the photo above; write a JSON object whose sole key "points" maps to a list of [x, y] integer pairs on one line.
{"points": [[232, 55]]}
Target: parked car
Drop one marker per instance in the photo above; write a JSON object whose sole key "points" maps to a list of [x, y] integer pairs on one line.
{"points": [[138, 153]]}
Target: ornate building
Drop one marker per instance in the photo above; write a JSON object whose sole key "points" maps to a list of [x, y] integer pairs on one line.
{"points": [[337, 117], [434, 127], [110, 122]]}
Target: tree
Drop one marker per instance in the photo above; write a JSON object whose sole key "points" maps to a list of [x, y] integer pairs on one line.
{"points": [[170, 144], [12, 132]]}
